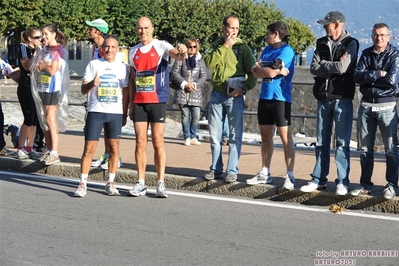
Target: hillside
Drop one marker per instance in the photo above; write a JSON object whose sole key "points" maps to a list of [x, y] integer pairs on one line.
{"points": [[360, 16]]}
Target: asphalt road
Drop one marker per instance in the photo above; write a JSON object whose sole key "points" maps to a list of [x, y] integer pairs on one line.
{"points": [[42, 224]]}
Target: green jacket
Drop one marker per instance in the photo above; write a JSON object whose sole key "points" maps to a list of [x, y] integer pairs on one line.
{"points": [[230, 62]]}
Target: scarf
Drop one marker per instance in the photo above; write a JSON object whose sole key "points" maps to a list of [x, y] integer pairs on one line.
{"points": [[191, 62]]}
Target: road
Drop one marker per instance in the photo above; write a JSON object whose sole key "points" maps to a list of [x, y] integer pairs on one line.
{"points": [[42, 224]]}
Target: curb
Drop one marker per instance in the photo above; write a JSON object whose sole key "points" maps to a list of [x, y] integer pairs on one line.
{"points": [[197, 184]]}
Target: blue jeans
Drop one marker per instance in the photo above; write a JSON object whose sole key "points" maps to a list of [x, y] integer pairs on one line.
{"points": [[220, 104], [190, 116], [225, 134], [387, 121], [340, 112]]}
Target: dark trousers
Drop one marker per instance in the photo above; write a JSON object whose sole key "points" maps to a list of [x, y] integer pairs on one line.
{"points": [[2, 140]]}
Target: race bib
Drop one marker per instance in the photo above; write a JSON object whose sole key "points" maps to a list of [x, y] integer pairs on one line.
{"points": [[145, 81], [108, 92], [44, 82]]}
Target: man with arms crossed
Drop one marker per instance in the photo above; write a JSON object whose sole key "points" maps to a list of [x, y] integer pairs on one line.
{"points": [[333, 63], [276, 69], [378, 75]]}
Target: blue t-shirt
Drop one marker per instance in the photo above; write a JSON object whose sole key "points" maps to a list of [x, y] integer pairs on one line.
{"points": [[279, 88]]}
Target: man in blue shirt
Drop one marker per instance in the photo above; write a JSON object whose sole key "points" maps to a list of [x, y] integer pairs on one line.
{"points": [[276, 69]]}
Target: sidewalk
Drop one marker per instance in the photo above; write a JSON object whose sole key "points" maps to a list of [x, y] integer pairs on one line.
{"points": [[186, 165], [194, 161]]}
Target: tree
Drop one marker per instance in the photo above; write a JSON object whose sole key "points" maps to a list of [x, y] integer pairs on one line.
{"points": [[301, 37], [173, 20]]}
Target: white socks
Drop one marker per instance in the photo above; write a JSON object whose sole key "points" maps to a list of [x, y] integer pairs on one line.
{"points": [[111, 178], [265, 171], [83, 178]]}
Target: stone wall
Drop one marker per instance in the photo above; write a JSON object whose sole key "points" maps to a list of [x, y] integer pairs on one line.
{"points": [[303, 104]]}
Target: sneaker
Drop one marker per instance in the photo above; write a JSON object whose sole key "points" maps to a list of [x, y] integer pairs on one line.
{"points": [[360, 191], [289, 182], [100, 161], [311, 186], [187, 142], [212, 175], [22, 154], [44, 156], [81, 191], [230, 178], [34, 155], [6, 152], [137, 190], [111, 190], [342, 190], [389, 192], [51, 159], [161, 190], [260, 179], [104, 166], [195, 142]]}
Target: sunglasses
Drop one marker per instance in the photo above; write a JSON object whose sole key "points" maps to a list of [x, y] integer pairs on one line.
{"points": [[36, 37], [192, 47]]}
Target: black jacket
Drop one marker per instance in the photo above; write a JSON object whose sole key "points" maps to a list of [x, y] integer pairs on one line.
{"points": [[377, 89], [338, 81]]}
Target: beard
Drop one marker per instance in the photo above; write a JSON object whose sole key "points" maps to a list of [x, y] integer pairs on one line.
{"points": [[91, 40]]}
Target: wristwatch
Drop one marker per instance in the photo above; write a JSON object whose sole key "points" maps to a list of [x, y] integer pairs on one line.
{"points": [[244, 91]]}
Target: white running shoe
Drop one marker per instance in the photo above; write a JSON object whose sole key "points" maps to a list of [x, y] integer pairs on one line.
{"points": [[311, 186], [342, 190], [260, 179], [195, 141], [289, 182], [137, 190], [100, 161], [81, 191], [22, 154], [161, 190], [111, 190], [104, 166], [187, 142]]}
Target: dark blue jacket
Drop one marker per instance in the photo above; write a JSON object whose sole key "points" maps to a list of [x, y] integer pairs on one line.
{"points": [[377, 89]]}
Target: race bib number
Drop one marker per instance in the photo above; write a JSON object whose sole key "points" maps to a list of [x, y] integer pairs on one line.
{"points": [[44, 82], [108, 92], [145, 81]]}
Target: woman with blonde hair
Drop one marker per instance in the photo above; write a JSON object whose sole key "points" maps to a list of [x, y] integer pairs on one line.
{"points": [[51, 81], [190, 77]]}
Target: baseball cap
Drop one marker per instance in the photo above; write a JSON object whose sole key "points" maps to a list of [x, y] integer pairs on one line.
{"points": [[332, 17], [99, 24]]}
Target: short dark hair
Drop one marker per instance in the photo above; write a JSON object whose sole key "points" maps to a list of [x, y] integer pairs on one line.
{"points": [[226, 20], [380, 25], [281, 28]]}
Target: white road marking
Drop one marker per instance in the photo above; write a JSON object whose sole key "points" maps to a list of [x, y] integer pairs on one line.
{"points": [[214, 197]]}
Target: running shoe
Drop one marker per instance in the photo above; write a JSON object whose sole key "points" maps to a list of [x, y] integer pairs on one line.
{"points": [[137, 190], [81, 191]]}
